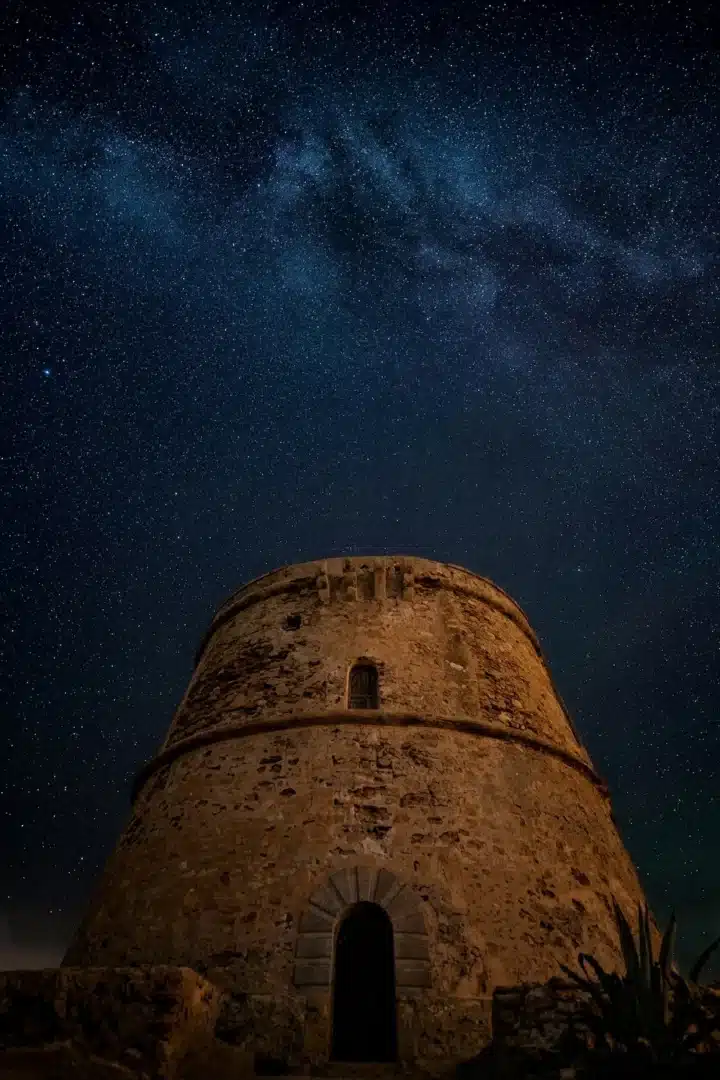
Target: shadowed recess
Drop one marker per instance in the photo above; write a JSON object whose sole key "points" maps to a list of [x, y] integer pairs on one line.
{"points": [[364, 1025]]}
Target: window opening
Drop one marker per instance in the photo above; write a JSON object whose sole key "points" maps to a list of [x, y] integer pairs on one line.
{"points": [[363, 687]]}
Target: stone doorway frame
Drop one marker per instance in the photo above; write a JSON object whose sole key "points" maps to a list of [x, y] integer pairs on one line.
{"points": [[315, 946]]}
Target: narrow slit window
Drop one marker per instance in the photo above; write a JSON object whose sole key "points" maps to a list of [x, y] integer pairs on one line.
{"points": [[363, 689]]}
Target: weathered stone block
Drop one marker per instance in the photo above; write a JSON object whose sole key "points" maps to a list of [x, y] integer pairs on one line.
{"points": [[367, 883], [412, 973], [327, 899], [411, 947], [345, 884], [314, 921], [117, 1018], [312, 973], [314, 946]]}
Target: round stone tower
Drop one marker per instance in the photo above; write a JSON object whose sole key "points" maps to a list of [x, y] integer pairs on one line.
{"points": [[371, 809]]}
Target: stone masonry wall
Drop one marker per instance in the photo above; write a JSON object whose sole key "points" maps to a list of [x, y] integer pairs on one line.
{"points": [[107, 1023], [468, 785], [532, 1025], [225, 849], [449, 645]]}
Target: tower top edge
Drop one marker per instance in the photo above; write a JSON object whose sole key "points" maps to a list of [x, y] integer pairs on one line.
{"points": [[336, 565], [445, 575]]}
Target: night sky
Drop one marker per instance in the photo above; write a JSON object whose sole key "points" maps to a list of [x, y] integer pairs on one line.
{"points": [[285, 281]]}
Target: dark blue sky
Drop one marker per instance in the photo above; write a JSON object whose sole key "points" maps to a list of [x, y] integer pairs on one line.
{"points": [[334, 278]]}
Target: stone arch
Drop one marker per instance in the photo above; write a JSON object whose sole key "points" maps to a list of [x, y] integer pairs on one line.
{"points": [[314, 948]]}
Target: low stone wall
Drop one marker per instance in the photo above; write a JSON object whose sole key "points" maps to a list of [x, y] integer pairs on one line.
{"points": [[532, 1037], [291, 1033], [104, 1022], [434, 1034], [169, 1023], [530, 1025], [267, 1029]]}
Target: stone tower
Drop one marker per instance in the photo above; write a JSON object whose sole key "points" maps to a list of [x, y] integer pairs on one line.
{"points": [[371, 809]]}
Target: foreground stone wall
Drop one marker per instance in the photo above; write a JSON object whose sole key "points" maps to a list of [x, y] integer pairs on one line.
{"points": [[532, 1036], [530, 1023], [467, 786], [171, 1024], [150, 1022]]}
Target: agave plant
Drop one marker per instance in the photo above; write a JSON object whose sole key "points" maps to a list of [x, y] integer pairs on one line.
{"points": [[650, 1012]]}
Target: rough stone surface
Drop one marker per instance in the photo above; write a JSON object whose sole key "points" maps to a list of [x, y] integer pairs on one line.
{"points": [[531, 1027], [465, 804], [104, 1022], [529, 1024]]}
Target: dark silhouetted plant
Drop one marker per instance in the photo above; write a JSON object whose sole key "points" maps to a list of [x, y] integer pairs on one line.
{"points": [[650, 1012]]}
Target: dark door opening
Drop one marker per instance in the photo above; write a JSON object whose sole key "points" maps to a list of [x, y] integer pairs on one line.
{"points": [[364, 1025]]}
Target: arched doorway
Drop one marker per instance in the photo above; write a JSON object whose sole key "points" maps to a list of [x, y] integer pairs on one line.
{"points": [[364, 1024]]}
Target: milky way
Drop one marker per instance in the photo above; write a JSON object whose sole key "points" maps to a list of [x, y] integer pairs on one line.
{"points": [[319, 280]]}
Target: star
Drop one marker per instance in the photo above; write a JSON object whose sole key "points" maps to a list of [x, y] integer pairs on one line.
{"points": [[311, 280]]}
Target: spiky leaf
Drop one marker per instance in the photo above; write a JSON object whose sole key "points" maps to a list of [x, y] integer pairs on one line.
{"points": [[702, 960], [667, 947], [650, 1013], [644, 947], [627, 943]]}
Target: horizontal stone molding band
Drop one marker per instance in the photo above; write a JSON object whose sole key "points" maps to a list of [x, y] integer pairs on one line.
{"points": [[488, 594], [368, 718]]}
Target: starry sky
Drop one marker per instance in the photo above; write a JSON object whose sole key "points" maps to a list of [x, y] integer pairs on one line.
{"points": [[280, 281]]}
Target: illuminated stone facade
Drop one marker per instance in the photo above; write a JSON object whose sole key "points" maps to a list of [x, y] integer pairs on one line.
{"points": [[457, 800]]}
